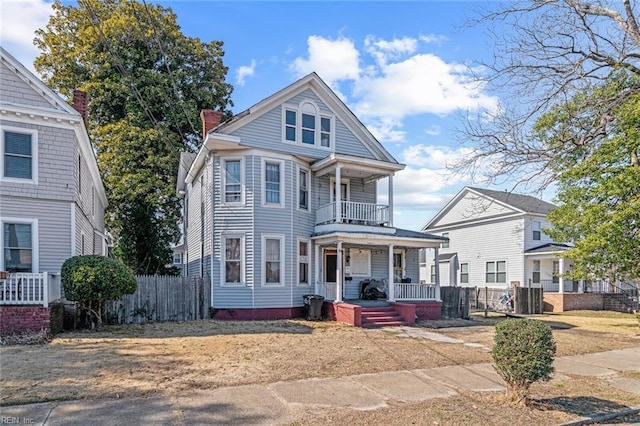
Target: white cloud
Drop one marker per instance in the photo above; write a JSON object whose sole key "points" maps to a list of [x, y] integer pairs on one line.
{"points": [[19, 19], [332, 60], [400, 82], [433, 38], [245, 71], [433, 130], [435, 157]]}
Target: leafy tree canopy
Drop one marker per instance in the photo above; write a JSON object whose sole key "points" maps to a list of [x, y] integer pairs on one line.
{"points": [[147, 83], [598, 181]]}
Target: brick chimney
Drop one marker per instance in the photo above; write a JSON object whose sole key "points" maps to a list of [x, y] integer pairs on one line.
{"points": [[210, 119], [80, 103]]}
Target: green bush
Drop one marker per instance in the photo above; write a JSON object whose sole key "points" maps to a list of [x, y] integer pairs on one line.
{"points": [[523, 354], [92, 280]]}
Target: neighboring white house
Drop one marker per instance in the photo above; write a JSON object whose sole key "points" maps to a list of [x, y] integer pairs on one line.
{"points": [[496, 239], [261, 214], [52, 200]]}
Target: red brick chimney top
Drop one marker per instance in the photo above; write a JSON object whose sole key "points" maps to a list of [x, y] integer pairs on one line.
{"points": [[80, 103], [210, 119]]}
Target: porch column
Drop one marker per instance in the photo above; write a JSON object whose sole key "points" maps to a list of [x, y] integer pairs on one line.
{"points": [[316, 269], [561, 273], [390, 200], [581, 286], [437, 272], [392, 286], [339, 273], [338, 197]]}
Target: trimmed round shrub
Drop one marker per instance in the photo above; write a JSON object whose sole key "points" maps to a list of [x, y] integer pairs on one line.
{"points": [[523, 354], [92, 280]]}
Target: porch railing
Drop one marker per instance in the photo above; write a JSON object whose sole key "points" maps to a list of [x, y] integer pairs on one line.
{"points": [[554, 287], [354, 212], [23, 288], [414, 291], [328, 291]]}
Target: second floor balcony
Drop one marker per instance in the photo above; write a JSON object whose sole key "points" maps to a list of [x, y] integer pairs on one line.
{"points": [[353, 213]]}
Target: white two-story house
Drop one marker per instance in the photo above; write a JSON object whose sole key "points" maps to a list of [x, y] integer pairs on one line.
{"points": [[497, 239], [52, 200], [282, 201]]}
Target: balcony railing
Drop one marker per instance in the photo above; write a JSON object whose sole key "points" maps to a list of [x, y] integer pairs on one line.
{"points": [[354, 213], [22, 288]]}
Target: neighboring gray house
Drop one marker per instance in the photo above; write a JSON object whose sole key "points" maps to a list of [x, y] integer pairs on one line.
{"points": [[261, 214], [496, 239], [52, 200]]}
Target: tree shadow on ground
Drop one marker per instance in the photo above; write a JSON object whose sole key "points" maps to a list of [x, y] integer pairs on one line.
{"points": [[580, 405]]}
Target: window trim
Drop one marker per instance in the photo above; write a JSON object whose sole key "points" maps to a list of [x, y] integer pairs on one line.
{"points": [[536, 224], [299, 262], [495, 272], [305, 107], [445, 244], [223, 260], [35, 260], [263, 172], [34, 154], [282, 281], [298, 181], [464, 273], [534, 272], [367, 256], [223, 172]]}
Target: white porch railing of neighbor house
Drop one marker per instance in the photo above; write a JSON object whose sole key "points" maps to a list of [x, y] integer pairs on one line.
{"points": [[415, 291], [551, 287], [354, 212], [23, 288]]}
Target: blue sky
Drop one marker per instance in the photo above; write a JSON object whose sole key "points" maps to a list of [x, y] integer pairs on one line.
{"points": [[404, 68]]}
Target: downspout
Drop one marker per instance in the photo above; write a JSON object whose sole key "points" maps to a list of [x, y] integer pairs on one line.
{"points": [[253, 232], [294, 248], [213, 227]]}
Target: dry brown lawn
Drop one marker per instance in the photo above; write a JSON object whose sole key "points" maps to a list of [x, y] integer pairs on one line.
{"points": [[161, 358]]}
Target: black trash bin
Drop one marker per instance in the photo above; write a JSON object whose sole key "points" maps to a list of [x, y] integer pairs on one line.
{"points": [[313, 306]]}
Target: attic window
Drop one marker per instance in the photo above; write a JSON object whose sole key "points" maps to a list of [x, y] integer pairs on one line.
{"points": [[305, 125]]}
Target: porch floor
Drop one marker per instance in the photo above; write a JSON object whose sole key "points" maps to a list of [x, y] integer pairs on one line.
{"points": [[368, 303]]}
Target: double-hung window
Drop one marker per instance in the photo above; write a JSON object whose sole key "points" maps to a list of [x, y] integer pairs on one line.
{"points": [[18, 247], [303, 262], [464, 273], [303, 189], [445, 244], [432, 275], [536, 272], [496, 272], [232, 259], [273, 258], [308, 129], [325, 132], [273, 183], [232, 181], [19, 154], [290, 125], [536, 227]]}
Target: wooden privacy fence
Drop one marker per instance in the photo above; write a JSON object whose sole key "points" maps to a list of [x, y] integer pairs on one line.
{"points": [[162, 298]]}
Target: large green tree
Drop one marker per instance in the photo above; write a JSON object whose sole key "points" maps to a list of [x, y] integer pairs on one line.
{"points": [[598, 181], [146, 83]]}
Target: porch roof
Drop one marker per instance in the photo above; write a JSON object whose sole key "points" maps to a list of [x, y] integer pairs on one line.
{"points": [[400, 237], [446, 257], [549, 248]]}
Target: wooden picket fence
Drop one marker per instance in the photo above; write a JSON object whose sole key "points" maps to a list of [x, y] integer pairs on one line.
{"points": [[162, 298]]}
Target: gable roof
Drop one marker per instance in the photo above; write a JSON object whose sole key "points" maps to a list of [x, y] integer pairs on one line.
{"points": [[57, 103], [60, 112], [517, 203], [526, 203], [548, 248], [319, 87]]}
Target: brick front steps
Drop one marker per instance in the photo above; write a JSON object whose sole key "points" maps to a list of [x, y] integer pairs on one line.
{"points": [[384, 316]]}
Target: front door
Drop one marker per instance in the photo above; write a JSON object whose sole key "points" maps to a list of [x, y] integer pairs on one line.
{"points": [[330, 265]]}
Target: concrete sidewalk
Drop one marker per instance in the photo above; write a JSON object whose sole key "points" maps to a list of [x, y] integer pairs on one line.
{"points": [[276, 403]]}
